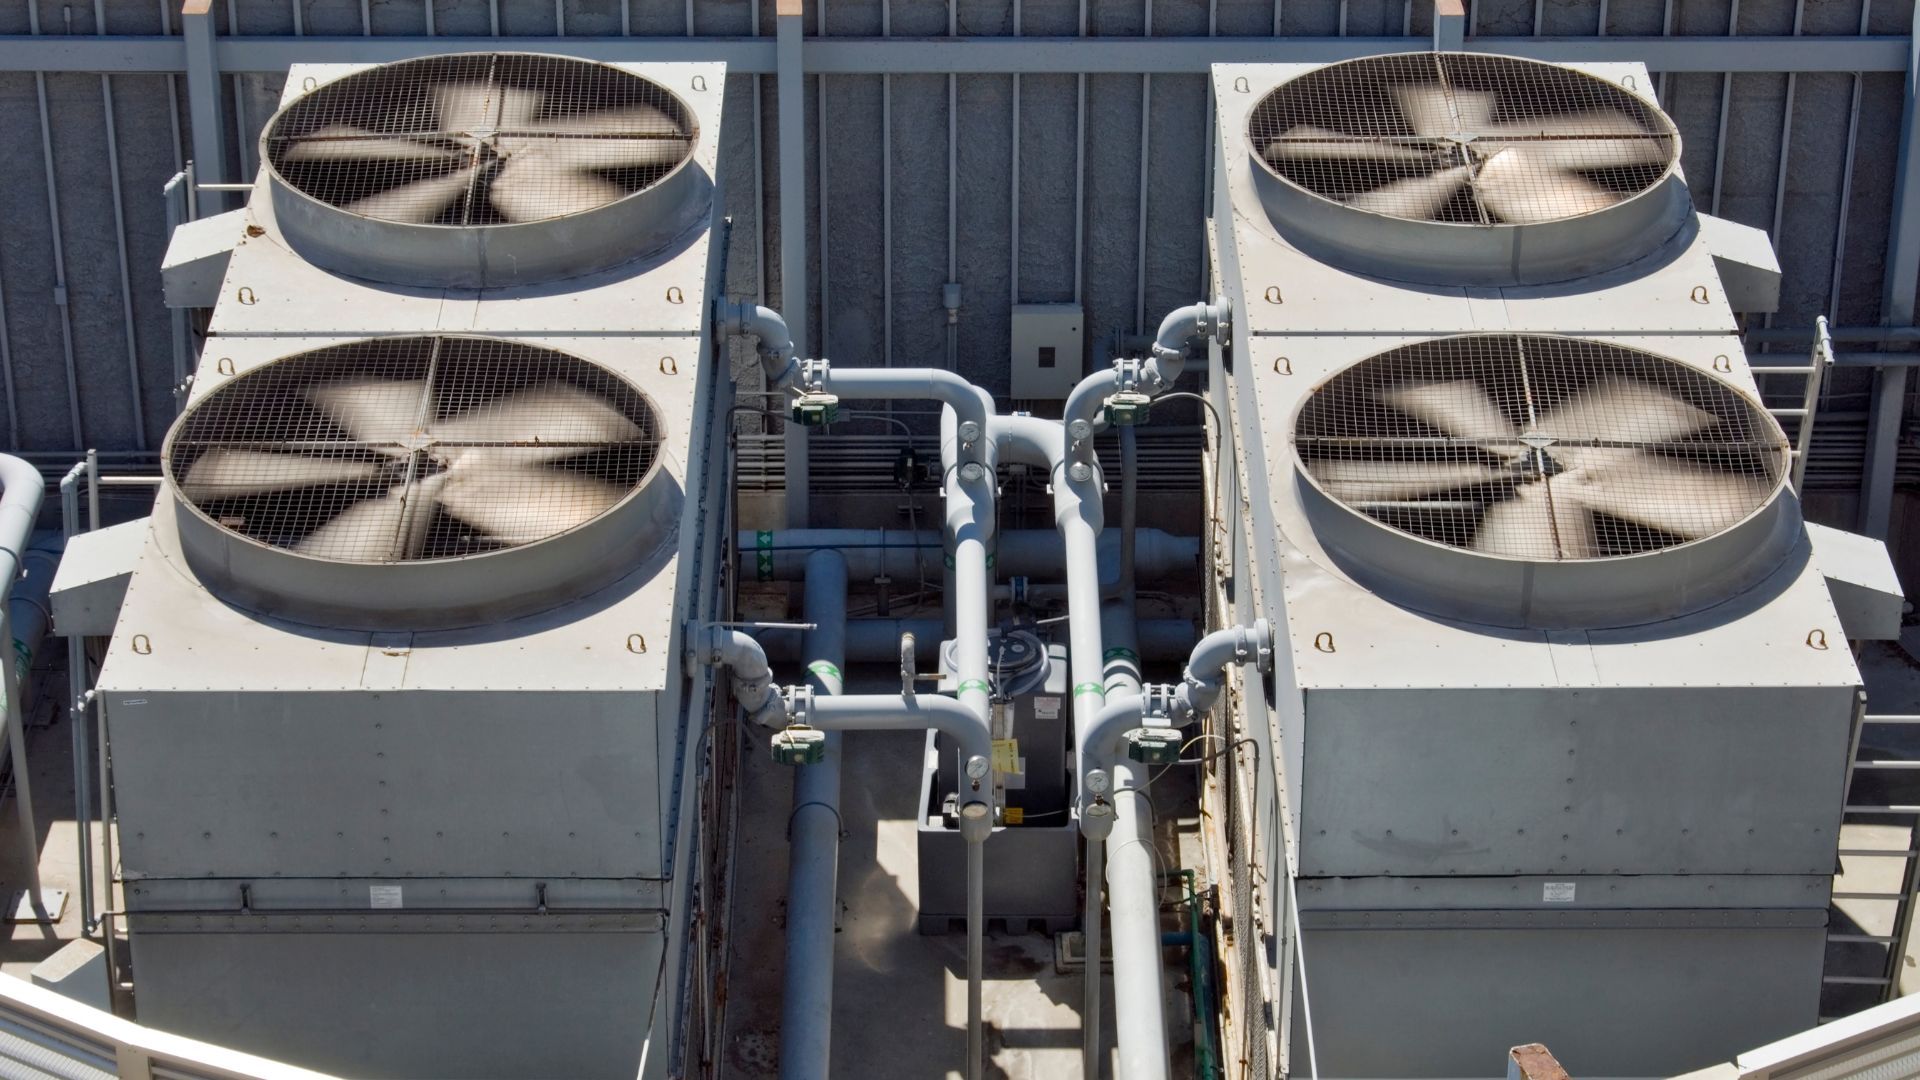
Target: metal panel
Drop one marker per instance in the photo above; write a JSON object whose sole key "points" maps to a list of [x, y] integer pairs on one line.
{"points": [[403, 784], [1601, 781], [1451, 993], [533, 1003]]}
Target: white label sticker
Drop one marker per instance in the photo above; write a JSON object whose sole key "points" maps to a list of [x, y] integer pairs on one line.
{"points": [[384, 896], [1557, 892], [1046, 708]]}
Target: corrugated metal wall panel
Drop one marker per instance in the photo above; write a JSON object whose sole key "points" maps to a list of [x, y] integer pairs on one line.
{"points": [[864, 304]]}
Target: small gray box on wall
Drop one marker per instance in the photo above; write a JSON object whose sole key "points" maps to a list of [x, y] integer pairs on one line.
{"points": [[1049, 350]]}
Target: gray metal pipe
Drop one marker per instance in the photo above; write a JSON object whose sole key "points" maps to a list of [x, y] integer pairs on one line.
{"points": [[21, 490], [746, 663], [778, 357], [877, 640], [813, 853], [899, 712], [1206, 667], [896, 553], [1139, 997]]}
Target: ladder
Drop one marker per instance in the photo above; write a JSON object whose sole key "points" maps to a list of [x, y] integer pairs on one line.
{"points": [[1814, 371], [1861, 812]]}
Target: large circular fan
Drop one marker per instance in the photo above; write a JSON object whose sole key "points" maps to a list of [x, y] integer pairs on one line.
{"points": [[405, 449], [479, 139], [1463, 138], [1538, 448]]}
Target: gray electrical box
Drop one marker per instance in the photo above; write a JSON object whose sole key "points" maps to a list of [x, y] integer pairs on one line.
{"points": [[1049, 350]]}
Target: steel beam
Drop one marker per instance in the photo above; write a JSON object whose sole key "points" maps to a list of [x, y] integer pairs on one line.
{"points": [[789, 88], [1450, 25], [966, 55], [1896, 309], [202, 57]]}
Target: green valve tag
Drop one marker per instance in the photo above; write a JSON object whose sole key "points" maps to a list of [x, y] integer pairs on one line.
{"points": [[1089, 688], [763, 555]]}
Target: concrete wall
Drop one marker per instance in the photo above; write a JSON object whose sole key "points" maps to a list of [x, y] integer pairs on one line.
{"points": [[120, 339]]}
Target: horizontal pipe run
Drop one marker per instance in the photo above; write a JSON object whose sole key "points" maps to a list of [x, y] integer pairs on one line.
{"points": [[901, 554], [877, 640], [891, 712]]}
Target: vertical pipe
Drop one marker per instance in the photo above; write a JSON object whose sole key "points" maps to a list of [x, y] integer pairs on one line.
{"points": [[822, 345], [759, 159], [59, 244], [204, 101], [1726, 107], [1092, 978], [493, 16], [886, 200], [559, 17], [1080, 177], [21, 489], [18, 440], [1139, 1000], [299, 27], [1013, 185], [953, 194], [426, 16], [120, 236], [240, 100], [1146, 129], [790, 87], [813, 829], [1846, 185], [1896, 309], [976, 824], [1786, 154]]}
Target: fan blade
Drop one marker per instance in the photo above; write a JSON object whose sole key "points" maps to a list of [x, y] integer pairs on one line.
{"points": [[555, 413], [367, 531], [1521, 189], [1307, 141], [339, 142], [1537, 525], [1363, 480], [1460, 408], [417, 203], [1602, 139], [1414, 197], [531, 188], [232, 474], [1673, 496], [634, 137], [472, 108], [1432, 110], [1620, 410], [519, 506], [380, 411]]}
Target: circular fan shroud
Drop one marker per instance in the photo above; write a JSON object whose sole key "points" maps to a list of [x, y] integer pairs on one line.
{"points": [[1466, 168], [478, 170], [1541, 481], [418, 482]]}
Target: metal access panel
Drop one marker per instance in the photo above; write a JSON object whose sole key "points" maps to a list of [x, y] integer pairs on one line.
{"points": [[1620, 994], [552, 996], [1647, 780], [396, 784], [1049, 350]]}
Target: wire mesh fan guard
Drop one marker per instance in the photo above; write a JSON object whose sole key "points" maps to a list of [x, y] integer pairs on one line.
{"points": [[1462, 139], [398, 450], [479, 139], [1540, 448]]}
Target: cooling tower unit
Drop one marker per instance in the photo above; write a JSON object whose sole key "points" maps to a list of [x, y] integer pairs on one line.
{"points": [[1555, 741], [404, 753]]}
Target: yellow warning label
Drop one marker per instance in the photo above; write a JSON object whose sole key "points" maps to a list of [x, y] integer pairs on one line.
{"points": [[1013, 815], [1006, 756]]}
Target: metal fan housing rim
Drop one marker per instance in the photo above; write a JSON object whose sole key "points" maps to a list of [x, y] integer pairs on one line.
{"points": [[430, 593], [490, 256], [1457, 253], [1456, 583]]}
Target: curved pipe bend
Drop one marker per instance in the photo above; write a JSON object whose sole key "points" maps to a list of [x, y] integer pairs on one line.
{"points": [[746, 663], [898, 712], [778, 357], [1206, 666]]}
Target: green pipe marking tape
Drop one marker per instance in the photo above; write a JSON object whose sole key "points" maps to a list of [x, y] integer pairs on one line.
{"points": [[1089, 688], [1120, 652], [763, 555], [975, 684], [825, 669]]}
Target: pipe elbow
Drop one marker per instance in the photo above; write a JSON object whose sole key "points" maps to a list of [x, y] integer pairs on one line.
{"points": [[778, 357]]}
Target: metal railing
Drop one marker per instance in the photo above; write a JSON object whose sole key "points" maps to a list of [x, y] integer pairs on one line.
{"points": [[1888, 980], [1815, 372], [43, 1033]]}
